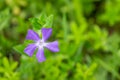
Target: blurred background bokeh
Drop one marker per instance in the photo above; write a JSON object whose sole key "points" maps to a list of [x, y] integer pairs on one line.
{"points": [[88, 35]]}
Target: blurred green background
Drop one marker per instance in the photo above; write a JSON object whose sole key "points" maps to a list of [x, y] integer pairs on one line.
{"points": [[88, 35]]}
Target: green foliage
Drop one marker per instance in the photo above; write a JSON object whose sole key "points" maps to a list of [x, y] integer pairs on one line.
{"points": [[111, 12], [100, 41], [84, 72], [4, 19], [89, 48], [7, 69], [42, 21]]}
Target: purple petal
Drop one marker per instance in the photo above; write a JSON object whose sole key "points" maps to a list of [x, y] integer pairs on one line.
{"points": [[31, 35], [46, 32], [30, 49], [40, 55], [53, 46]]}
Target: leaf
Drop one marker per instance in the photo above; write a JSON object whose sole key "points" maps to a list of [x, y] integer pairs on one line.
{"points": [[6, 63], [108, 67], [36, 25], [97, 31], [91, 69], [65, 28], [4, 18], [14, 65], [2, 69], [49, 22], [42, 19], [20, 48], [74, 28], [78, 55]]}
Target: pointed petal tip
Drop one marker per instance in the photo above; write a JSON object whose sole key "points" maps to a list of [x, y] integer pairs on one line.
{"points": [[46, 33], [53, 46], [40, 55], [57, 50], [32, 35], [29, 50]]}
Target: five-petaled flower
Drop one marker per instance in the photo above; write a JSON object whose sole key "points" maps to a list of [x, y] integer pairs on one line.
{"points": [[39, 44]]}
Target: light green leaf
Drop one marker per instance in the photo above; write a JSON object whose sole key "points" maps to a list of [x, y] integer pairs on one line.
{"points": [[49, 22], [6, 63], [20, 48], [2, 69], [14, 65], [4, 18], [65, 28], [36, 25]]}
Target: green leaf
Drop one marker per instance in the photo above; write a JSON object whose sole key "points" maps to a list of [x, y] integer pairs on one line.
{"points": [[6, 63], [20, 48], [14, 65], [91, 69], [74, 29], [2, 69], [49, 22], [107, 67], [36, 25], [42, 19], [65, 28], [79, 56], [4, 18]]}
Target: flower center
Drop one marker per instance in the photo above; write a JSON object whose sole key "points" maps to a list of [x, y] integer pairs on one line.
{"points": [[40, 44]]}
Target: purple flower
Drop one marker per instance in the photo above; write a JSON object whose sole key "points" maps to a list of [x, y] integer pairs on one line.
{"points": [[39, 44]]}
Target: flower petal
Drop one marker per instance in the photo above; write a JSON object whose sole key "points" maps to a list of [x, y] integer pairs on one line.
{"points": [[40, 55], [29, 50], [31, 35], [46, 32], [53, 46]]}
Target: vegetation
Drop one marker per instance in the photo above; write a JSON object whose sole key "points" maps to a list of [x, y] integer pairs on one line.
{"points": [[87, 31]]}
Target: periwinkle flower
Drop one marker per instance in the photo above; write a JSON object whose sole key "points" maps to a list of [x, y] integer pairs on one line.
{"points": [[40, 44]]}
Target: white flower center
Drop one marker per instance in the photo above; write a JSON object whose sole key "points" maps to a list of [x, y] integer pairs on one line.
{"points": [[40, 44]]}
